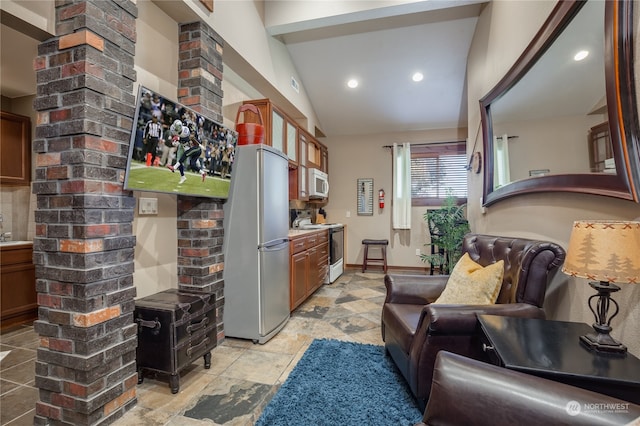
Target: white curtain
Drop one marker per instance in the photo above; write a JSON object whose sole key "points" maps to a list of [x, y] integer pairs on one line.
{"points": [[401, 214], [501, 175]]}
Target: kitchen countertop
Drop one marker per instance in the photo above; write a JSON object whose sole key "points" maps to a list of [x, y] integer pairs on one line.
{"points": [[15, 244], [300, 232]]}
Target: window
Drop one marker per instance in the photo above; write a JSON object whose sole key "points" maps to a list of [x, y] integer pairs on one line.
{"points": [[438, 170], [601, 149]]}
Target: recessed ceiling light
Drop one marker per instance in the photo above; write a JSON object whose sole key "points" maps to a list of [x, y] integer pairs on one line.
{"points": [[417, 77], [353, 83], [581, 55]]}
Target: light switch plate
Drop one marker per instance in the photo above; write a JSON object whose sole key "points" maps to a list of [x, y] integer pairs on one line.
{"points": [[148, 206]]}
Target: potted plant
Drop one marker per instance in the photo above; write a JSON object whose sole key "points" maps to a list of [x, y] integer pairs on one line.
{"points": [[447, 226]]}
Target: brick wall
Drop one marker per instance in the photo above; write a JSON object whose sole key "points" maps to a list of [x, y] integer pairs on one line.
{"points": [[84, 245], [200, 220]]}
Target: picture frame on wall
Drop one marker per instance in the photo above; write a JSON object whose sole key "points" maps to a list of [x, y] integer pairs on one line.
{"points": [[365, 196]]}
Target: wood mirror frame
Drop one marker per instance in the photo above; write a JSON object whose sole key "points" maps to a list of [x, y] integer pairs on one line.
{"points": [[621, 101]]}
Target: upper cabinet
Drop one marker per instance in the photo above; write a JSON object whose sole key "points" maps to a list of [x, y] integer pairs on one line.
{"points": [[291, 133], [280, 130], [303, 186], [302, 149], [15, 149], [314, 152]]}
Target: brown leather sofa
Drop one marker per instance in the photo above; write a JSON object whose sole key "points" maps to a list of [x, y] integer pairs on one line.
{"points": [[414, 331], [473, 393]]}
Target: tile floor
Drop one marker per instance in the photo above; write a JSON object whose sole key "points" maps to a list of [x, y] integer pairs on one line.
{"points": [[243, 377]]}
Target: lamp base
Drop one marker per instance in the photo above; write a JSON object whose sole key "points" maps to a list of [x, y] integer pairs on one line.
{"points": [[601, 340], [603, 343]]}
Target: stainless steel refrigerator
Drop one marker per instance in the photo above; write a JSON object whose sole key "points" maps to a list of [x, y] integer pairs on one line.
{"points": [[256, 244]]}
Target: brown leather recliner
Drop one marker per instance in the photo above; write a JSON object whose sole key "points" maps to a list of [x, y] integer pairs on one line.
{"points": [[414, 330], [473, 393]]}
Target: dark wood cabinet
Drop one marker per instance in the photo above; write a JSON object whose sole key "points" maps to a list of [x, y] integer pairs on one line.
{"points": [[303, 150], [280, 130], [299, 278], [318, 264], [18, 297], [15, 149], [302, 177], [309, 265]]}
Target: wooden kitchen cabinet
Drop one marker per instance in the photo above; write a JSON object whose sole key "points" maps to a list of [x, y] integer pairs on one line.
{"points": [[15, 149], [309, 265], [325, 159], [317, 154], [280, 131], [314, 154], [302, 149], [18, 297], [319, 264], [299, 270], [303, 177]]}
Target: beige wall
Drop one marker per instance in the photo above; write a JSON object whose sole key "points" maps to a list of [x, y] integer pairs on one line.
{"points": [[261, 60], [363, 156], [38, 13], [156, 251], [535, 139], [503, 31]]}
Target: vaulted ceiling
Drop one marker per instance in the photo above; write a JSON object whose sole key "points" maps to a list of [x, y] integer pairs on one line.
{"points": [[380, 43], [382, 46]]}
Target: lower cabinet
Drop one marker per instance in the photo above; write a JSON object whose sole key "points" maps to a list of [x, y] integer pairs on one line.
{"points": [[18, 297], [309, 265]]}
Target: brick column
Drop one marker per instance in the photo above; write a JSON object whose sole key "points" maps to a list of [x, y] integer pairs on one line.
{"points": [[84, 244], [200, 70], [200, 220]]}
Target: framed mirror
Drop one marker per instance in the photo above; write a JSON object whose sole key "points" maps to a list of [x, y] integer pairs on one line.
{"points": [[556, 122]]}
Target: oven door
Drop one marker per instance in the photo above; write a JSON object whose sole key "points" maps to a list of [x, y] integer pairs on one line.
{"points": [[336, 245]]}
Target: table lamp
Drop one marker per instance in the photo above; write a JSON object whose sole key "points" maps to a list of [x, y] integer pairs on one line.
{"points": [[607, 252]]}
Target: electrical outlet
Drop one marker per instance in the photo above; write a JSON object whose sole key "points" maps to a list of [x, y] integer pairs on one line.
{"points": [[348, 213], [417, 252], [148, 206]]}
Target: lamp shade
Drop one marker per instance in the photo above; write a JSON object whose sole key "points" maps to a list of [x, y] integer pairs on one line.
{"points": [[606, 251]]}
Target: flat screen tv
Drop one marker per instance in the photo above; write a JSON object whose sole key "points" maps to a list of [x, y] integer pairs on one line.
{"points": [[175, 150]]}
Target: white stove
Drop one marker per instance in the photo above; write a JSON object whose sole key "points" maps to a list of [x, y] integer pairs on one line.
{"points": [[336, 245], [321, 226], [305, 223]]}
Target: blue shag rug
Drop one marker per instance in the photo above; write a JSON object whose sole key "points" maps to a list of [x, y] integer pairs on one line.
{"points": [[342, 383]]}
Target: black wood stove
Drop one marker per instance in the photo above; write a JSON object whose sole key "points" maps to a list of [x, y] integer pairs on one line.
{"points": [[174, 329]]}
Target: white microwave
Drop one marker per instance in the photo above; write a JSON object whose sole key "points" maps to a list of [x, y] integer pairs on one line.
{"points": [[318, 184]]}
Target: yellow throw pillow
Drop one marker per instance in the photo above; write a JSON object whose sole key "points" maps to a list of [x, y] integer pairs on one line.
{"points": [[473, 284]]}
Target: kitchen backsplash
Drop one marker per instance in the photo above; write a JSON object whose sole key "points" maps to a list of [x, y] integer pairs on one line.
{"points": [[17, 205]]}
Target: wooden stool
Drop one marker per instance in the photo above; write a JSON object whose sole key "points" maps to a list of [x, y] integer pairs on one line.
{"points": [[383, 247]]}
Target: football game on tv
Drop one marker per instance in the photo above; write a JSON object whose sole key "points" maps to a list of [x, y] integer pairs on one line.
{"points": [[175, 150]]}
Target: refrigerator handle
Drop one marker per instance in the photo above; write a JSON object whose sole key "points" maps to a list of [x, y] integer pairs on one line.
{"points": [[275, 244]]}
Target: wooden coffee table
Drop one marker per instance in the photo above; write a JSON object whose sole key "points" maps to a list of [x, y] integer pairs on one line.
{"points": [[552, 349]]}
